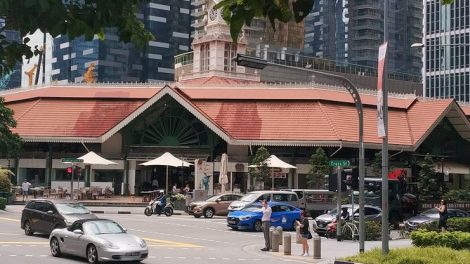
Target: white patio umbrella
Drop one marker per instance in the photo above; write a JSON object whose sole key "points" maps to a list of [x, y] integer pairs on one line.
{"points": [[167, 160], [223, 177], [274, 162], [91, 158]]}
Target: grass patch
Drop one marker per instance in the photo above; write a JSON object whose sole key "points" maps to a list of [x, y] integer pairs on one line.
{"points": [[413, 255]]}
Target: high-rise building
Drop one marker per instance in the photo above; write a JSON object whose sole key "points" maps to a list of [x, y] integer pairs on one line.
{"points": [[169, 21], [447, 50], [12, 79], [350, 31]]}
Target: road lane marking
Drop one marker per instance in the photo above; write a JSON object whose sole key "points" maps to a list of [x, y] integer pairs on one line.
{"points": [[10, 234], [167, 243], [7, 243], [9, 219]]}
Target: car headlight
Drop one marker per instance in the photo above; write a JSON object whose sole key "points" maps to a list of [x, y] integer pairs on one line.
{"points": [[142, 243], [109, 244], [244, 218]]}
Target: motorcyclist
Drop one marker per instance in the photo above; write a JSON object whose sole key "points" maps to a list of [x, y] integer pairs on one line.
{"points": [[160, 202]]}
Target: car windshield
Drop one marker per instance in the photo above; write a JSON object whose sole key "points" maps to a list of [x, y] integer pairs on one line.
{"points": [[252, 208], [102, 227], [335, 210], [250, 197], [72, 208], [430, 212]]}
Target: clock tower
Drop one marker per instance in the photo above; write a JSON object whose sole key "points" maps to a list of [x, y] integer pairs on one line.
{"points": [[214, 52]]}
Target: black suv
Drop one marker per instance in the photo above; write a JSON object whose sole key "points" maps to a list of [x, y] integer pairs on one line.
{"points": [[44, 215]]}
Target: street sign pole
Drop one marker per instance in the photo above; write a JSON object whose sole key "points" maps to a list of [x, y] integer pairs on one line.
{"points": [[338, 204], [71, 183]]}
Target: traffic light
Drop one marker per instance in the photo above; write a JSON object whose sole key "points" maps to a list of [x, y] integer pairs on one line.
{"points": [[78, 172], [333, 182], [352, 178], [69, 170]]}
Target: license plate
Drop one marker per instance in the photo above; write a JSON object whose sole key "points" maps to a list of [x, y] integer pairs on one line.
{"points": [[133, 254], [231, 222]]}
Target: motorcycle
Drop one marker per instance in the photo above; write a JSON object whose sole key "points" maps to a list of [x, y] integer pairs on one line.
{"points": [[159, 206]]}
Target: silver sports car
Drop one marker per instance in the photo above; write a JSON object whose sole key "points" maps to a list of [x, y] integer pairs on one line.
{"points": [[97, 240]]}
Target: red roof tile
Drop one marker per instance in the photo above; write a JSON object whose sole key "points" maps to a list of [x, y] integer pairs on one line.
{"points": [[70, 117]]}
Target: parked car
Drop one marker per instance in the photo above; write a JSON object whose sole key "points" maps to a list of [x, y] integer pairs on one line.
{"points": [[44, 215], [97, 240], [371, 213], [215, 205], [249, 218], [431, 215], [257, 196]]}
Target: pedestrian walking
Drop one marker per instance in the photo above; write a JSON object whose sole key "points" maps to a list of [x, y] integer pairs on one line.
{"points": [[188, 197], [443, 215], [266, 224], [304, 233], [25, 188]]}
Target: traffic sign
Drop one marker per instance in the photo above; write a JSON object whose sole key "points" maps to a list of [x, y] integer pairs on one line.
{"points": [[72, 160], [339, 163]]}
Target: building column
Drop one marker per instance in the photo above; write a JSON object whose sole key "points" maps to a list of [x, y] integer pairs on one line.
{"points": [[131, 176], [48, 172]]}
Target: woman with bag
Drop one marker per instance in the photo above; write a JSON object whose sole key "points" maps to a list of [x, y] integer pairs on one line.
{"points": [[304, 233]]}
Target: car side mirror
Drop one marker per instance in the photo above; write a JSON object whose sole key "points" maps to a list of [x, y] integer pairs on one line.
{"points": [[218, 200], [50, 212], [78, 232]]}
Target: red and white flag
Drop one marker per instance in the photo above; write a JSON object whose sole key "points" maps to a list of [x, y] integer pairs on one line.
{"points": [[380, 79]]}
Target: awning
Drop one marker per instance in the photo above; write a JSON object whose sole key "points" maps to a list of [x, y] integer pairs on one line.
{"points": [[451, 167]]}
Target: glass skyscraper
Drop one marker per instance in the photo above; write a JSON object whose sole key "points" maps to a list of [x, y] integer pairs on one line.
{"points": [[169, 21], [12, 80], [351, 31], [447, 50]]}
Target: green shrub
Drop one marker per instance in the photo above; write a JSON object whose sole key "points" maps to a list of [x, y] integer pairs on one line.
{"points": [[454, 240], [5, 182], [3, 203], [453, 224], [413, 255], [373, 231]]}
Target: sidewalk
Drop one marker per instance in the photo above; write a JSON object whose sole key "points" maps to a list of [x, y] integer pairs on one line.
{"points": [[331, 249]]}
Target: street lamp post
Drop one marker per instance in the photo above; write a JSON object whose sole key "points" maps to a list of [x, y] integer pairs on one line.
{"points": [[257, 63]]}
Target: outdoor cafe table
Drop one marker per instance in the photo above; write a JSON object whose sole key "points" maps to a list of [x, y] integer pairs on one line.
{"points": [[37, 191], [147, 195]]}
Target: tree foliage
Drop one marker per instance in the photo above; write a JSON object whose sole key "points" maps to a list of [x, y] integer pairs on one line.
{"points": [[10, 143], [241, 12], [261, 172], [429, 182], [73, 18], [5, 182], [319, 163], [238, 13]]}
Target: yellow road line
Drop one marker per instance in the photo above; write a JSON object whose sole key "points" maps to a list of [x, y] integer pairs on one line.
{"points": [[9, 219], [167, 243], [24, 242]]}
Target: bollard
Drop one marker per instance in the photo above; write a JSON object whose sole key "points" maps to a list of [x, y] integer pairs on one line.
{"points": [[275, 241], [316, 247], [287, 244], [271, 230], [297, 235], [279, 230]]}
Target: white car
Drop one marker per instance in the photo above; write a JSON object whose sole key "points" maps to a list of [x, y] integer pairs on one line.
{"points": [[97, 240]]}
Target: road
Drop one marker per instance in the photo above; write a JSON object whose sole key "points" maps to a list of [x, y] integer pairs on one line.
{"points": [[175, 239]]}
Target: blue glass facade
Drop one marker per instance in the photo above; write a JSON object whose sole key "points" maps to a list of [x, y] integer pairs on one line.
{"points": [[12, 80], [169, 22]]}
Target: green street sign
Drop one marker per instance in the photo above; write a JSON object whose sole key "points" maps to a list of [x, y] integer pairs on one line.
{"points": [[72, 160], [339, 163]]}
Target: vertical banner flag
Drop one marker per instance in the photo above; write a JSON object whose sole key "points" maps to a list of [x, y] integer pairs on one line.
{"points": [[380, 79]]}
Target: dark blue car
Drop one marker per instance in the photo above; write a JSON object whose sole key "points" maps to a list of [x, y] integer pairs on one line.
{"points": [[249, 218]]}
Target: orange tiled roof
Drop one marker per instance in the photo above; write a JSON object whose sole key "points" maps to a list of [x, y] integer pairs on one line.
{"points": [[258, 115]]}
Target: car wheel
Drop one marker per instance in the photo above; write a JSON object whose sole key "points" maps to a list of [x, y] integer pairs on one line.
{"points": [[258, 226], [27, 229], [209, 213], [55, 247], [197, 216], [92, 254]]}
